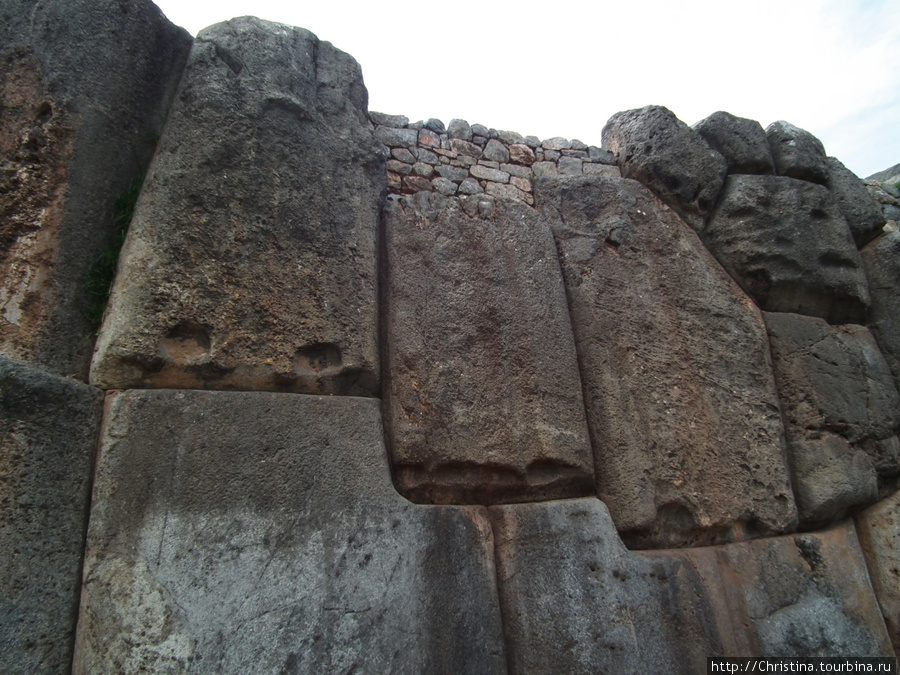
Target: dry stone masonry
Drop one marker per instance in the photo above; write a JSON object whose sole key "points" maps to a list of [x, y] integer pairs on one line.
{"points": [[380, 396], [465, 159]]}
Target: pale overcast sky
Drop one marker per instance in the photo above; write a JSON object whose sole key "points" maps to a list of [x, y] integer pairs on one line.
{"points": [[562, 68]]}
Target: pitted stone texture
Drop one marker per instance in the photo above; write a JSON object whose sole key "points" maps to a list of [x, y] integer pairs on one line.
{"points": [[48, 435], [655, 147], [841, 413], [250, 263], [740, 141], [797, 153], [482, 396], [256, 532], [575, 600], [881, 260], [85, 86], [688, 440], [785, 242], [879, 536], [804, 595], [862, 212]]}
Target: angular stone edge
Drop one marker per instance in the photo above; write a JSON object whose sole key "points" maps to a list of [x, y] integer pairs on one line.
{"points": [[49, 428]]}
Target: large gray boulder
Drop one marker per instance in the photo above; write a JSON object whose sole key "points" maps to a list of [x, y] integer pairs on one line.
{"points": [[482, 393], [48, 435], [681, 402], [841, 413], [250, 263], [788, 246], [740, 141], [236, 532], [863, 213], [804, 595], [574, 600], [882, 176], [797, 153], [662, 152], [85, 87], [879, 536], [881, 260]]}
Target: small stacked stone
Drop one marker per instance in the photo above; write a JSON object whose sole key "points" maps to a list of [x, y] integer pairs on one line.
{"points": [[464, 159]]}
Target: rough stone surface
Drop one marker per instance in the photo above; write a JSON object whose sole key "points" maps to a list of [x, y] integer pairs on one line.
{"points": [[687, 436], [460, 129], [841, 413], [881, 260], [804, 595], [236, 532], [250, 263], [662, 152], [388, 120], [495, 151], [879, 536], [863, 214], [474, 305], [797, 153], [85, 86], [785, 242], [48, 435], [521, 154], [574, 600], [740, 141]]}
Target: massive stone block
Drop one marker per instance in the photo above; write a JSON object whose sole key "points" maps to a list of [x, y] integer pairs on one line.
{"points": [[785, 242], [740, 141], [682, 409], [238, 532], [863, 213], [576, 601], [798, 596], [841, 413], [797, 153], [662, 152], [482, 394], [879, 536], [881, 261], [85, 86], [250, 263], [48, 436]]}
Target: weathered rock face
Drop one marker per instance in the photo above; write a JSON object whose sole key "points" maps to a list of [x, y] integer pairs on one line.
{"points": [[863, 213], [841, 413], [250, 263], [653, 146], [48, 434], [879, 536], [803, 595], [681, 402], [881, 260], [797, 153], [85, 86], [785, 242], [260, 532], [740, 141], [474, 305], [574, 600]]}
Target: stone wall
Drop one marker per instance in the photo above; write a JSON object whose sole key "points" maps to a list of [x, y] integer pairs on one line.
{"points": [[383, 396]]}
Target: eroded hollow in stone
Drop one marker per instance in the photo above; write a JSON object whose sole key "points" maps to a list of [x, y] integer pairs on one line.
{"points": [[467, 482], [185, 344], [317, 357]]}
